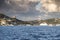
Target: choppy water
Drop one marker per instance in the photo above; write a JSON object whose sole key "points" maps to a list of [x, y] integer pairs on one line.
{"points": [[29, 33]]}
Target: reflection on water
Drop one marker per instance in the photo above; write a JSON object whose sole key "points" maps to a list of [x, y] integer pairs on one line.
{"points": [[29, 33]]}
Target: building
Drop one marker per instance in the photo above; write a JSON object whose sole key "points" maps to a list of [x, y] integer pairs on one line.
{"points": [[44, 24], [3, 22]]}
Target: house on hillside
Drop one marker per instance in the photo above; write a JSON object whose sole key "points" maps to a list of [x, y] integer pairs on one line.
{"points": [[3, 22]]}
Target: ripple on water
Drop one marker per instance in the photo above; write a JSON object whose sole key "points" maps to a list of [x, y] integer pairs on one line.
{"points": [[29, 33]]}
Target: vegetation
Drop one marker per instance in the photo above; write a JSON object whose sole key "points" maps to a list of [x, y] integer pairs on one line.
{"points": [[16, 21]]}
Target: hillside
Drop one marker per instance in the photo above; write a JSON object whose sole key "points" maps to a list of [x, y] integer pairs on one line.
{"points": [[48, 21], [16, 21]]}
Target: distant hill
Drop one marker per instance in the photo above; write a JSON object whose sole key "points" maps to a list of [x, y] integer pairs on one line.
{"points": [[34, 22], [13, 20], [49, 21], [3, 16], [53, 21]]}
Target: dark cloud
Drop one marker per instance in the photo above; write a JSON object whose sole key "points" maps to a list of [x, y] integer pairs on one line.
{"points": [[23, 9], [21, 5], [2, 2]]}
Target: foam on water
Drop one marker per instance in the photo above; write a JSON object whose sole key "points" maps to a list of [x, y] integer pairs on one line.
{"points": [[29, 33]]}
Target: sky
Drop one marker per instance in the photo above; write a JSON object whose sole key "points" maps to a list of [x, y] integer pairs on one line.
{"points": [[30, 9]]}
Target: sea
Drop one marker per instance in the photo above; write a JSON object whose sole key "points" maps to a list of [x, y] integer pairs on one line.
{"points": [[29, 33]]}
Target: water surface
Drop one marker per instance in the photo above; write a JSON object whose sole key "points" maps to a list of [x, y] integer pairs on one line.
{"points": [[29, 33]]}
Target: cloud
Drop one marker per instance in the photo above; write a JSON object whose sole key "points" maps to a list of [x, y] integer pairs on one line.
{"points": [[51, 5], [57, 2], [20, 8], [27, 9]]}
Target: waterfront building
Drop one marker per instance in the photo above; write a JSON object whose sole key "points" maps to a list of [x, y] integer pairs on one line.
{"points": [[44, 24]]}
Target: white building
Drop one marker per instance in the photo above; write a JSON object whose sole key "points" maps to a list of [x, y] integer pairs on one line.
{"points": [[3, 22], [44, 24], [57, 24], [50, 24]]}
